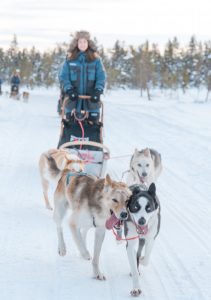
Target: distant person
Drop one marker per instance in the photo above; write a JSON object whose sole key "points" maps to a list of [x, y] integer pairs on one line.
{"points": [[83, 73], [62, 94], [15, 82], [0, 86]]}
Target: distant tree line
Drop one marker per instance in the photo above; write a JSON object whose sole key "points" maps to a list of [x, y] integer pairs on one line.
{"points": [[143, 67]]}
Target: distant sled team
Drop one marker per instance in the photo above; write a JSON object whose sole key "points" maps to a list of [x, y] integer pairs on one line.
{"points": [[103, 203], [14, 94]]}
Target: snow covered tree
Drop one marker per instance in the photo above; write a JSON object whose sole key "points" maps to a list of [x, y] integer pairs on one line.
{"points": [[146, 70]]}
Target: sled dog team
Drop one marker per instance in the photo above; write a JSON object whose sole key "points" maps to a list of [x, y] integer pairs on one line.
{"points": [[103, 203]]}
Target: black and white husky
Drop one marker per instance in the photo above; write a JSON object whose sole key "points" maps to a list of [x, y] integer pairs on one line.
{"points": [[141, 229]]}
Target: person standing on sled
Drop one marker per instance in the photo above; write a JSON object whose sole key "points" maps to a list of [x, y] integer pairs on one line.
{"points": [[0, 86], [83, 73], [15, 82]]}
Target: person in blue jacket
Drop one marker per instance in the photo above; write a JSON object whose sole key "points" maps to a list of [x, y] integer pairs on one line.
{"points": [[0, 86], [15, 82], [62, 94], [83, 73]]}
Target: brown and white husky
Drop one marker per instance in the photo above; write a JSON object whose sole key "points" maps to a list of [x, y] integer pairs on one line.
{"points": [[92, 201]]}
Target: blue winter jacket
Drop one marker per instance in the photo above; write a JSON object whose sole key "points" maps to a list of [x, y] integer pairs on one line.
{"points": [[85, 76], [59, 76], [15, 80]]}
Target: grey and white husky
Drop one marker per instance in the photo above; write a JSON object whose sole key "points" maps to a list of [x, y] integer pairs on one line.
{"points": [[143, 223], [145, 167]]}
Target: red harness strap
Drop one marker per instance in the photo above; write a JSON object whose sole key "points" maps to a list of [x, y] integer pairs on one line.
{"points": [[122, 239], [82, 130]]}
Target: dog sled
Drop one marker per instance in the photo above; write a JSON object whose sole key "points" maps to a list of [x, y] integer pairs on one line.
{"points": [[82, 135], [14, 94]]}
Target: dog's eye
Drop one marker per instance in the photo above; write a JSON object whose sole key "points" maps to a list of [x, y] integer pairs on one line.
{"points": [[148, 208], [115, 200], [139, 165], [135, 207], [147, 165]]}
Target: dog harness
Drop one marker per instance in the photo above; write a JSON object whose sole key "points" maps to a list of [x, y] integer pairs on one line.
{"points": [[70, 174]]}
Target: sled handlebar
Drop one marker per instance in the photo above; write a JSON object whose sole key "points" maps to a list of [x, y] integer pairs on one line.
{"points": [[84, 97]]}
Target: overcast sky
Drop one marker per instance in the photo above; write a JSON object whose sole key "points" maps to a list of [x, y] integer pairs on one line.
{"points": [[44, 23]]}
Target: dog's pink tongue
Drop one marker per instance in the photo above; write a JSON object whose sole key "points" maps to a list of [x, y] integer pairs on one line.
{"points": [[111, 222]]}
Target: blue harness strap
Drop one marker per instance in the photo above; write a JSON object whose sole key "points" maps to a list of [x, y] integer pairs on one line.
{"points": [[70, 174]]}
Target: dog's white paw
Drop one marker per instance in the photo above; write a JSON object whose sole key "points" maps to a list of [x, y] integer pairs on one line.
{"points": [[86, 255], [144, 261], [100, 276], [48, 206], [62, 250], [130, 274], [119, 242], [135, 292]]}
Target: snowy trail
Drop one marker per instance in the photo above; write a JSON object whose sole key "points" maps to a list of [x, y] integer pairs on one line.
{"points": [[30, 267]]}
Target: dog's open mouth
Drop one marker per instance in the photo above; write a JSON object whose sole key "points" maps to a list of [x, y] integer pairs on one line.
{"points": [[111, 222], [142, 229], [141, 178]]}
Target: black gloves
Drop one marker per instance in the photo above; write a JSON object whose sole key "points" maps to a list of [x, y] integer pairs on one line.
{"points": [[72, 94], [95, 97]]}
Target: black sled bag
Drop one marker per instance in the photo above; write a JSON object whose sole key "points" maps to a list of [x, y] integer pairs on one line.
{"points": [[73, 132]]}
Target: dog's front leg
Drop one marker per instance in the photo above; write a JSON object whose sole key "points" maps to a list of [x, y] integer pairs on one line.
{"points": [[99, 237], [148, 250], [84, 232], [132, 257]]}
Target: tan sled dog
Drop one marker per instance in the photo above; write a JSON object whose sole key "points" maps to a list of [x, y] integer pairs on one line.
{"points": [[51, 165], [91, 200], [25, 96]]}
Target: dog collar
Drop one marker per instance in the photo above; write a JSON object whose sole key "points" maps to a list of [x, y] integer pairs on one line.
{"points": [[70, 174]]}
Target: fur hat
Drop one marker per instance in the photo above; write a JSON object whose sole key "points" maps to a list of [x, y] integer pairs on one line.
{"points": [[82, 35]]}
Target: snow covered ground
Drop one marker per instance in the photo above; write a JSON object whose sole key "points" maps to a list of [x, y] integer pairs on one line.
{"points": [[180, 268]]}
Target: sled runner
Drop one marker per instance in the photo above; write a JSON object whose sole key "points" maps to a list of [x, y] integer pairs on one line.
{"points": [[81, 133]]}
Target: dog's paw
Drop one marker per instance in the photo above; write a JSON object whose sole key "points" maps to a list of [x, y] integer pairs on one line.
{"points": [[86, 255], [48, 206], [100, 277], [135, 292], [62, 250], [144, 261], [119, 242], [130, 274]]}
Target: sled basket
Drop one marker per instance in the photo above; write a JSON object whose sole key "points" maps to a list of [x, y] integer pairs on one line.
{"points": [[95, 161]]}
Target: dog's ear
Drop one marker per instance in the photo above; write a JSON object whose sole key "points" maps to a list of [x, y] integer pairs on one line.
{"points": [[108, 180], [60, 160], [136, 152], [152, 190], [146, 152], [101, 184], [107, 183], [135, 189]]}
